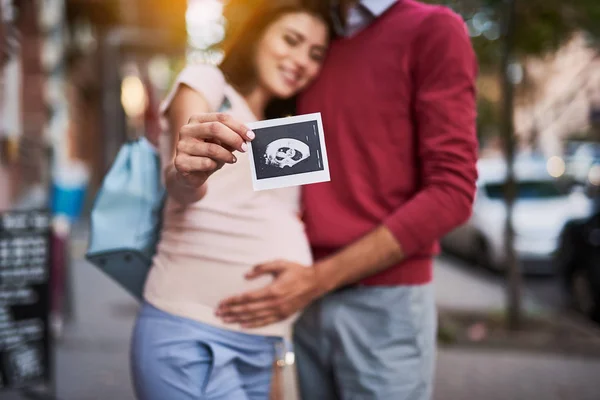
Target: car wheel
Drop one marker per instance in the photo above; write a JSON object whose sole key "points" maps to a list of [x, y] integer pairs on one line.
{"points": [[482, 256], [582, 294]]}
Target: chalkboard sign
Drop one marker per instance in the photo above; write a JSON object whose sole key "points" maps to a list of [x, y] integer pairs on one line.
{"points": [[25, 346]]}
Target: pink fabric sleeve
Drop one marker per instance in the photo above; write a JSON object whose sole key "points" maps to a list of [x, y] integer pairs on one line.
{"points": [[207, 80]]}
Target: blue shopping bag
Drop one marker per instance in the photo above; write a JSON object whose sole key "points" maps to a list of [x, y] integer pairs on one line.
{"points": [[127, 215]]}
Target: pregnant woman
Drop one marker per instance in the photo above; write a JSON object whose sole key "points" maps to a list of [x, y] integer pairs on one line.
{"points": [[216, 228]]}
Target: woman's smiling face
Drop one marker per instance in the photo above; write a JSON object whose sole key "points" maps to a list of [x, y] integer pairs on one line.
{"points": [[290, 53]]}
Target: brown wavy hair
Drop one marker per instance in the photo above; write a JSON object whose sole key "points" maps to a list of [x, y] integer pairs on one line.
{"points": [[246, 22]]}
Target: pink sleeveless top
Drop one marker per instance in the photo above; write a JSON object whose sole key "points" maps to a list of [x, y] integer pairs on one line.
{"points": [[207, 247]]}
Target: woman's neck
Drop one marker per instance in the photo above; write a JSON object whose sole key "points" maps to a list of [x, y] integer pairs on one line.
{"points": [[257, 100]]}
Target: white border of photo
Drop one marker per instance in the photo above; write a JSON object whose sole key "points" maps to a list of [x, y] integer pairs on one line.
{"points": [[290, 180]]}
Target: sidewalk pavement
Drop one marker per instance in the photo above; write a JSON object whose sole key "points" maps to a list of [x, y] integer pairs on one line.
{"points": [[496, 375], [467, 289], [502, 375], [92, 357]]}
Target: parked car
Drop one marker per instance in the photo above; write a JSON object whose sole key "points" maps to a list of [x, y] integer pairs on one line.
{"points": [[581, 159], [578, 260], [543, 206]]}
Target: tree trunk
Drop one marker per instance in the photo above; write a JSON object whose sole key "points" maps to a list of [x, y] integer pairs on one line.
{"points": [[508, 136], [33, 148]]}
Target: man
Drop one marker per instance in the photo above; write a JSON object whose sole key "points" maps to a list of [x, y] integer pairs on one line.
{"points": [[397, 97]]}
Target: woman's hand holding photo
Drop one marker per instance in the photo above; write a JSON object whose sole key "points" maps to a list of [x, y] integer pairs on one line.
{"points": [[206, 143]]}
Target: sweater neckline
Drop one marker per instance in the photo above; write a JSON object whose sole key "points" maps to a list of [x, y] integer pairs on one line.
{"points": [[367, 29]]}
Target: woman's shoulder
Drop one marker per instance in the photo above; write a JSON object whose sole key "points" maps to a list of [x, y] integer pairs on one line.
{"points": [[203, 74], [208, 80]]}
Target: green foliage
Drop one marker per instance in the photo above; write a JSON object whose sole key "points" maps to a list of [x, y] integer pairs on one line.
{"points": [[488, 119], [542, 26]]}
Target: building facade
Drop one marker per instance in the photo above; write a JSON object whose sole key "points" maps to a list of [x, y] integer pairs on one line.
{"points": [[565, 98]]}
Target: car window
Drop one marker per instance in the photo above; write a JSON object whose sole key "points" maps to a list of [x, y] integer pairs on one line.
{"points": [[587, 151], [527, 190]]}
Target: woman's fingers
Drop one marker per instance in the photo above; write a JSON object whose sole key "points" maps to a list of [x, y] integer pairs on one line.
{"points": [[187, 164], [213, 151], [213, 132], [208, 141], [218, 127], [231, 123]]}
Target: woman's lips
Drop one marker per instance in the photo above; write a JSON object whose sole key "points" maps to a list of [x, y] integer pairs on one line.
{"points": [[290, 78]]}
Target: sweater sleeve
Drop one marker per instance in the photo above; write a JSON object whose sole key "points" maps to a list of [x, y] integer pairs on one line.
{"points": [[445, 70]]}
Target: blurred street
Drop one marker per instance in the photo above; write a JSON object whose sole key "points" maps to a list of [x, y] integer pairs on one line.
{"points": [[79, 78], [92, 356], [543, 293]]}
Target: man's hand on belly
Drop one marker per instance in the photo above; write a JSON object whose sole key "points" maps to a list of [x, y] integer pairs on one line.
{"points": [[294, 287]]}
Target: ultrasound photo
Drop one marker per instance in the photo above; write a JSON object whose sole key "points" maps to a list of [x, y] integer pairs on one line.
{"points": [[288, 152]]}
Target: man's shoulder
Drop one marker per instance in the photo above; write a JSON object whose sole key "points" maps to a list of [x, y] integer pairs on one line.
{"points": [[427, 15], [425, 20]]}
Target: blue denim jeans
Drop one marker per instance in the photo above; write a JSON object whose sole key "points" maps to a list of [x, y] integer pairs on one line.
{"points": [[174, 358], [375, 343]]}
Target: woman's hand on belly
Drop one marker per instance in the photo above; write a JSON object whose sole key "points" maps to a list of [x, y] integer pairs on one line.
{"points": [[294, 287]]}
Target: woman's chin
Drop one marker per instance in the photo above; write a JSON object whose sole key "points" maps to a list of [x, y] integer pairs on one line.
{"points": [[283, 91], [284, 94]]}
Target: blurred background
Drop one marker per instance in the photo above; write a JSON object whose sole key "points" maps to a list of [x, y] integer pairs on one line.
{"points": [[518, 285]]}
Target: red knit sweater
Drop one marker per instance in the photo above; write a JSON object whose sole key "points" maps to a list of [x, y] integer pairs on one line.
{"points": [[398, 108]]}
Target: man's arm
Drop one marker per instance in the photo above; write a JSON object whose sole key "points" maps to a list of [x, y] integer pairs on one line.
{"points": [[445, 72], [373, 253], [445, 114]]}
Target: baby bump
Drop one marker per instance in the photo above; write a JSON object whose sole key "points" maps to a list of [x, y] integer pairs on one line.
{"points": [[241, 239], [203, 260], [208, 270]]}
